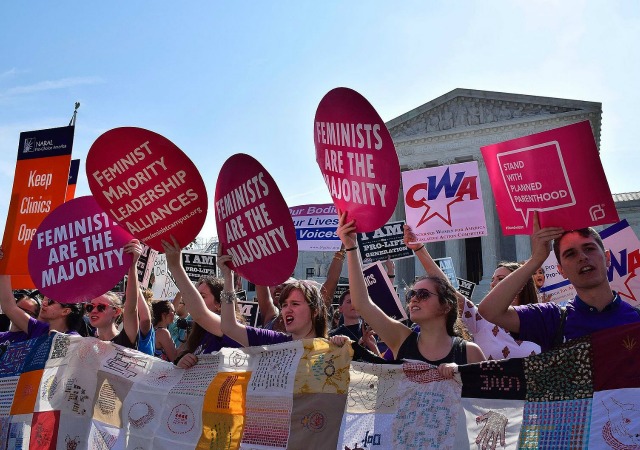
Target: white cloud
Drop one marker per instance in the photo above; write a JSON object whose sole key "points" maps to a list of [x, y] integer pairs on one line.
{"points": [[49, 85]]}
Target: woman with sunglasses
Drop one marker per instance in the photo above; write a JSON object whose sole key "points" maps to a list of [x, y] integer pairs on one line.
{"points": [[106, 310], [432, 305]]}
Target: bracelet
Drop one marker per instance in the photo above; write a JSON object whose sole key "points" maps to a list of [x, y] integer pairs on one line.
{"points": [[418, 249], [227, 297], [339, 255], [350, 249]]}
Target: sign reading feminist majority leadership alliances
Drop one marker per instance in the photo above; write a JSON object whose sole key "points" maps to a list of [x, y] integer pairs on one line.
{"points": [[316, 227], [444, 202], [557, 173], [39, 186], [77, 252], [253, 222], [148, 185], [357, 158]]}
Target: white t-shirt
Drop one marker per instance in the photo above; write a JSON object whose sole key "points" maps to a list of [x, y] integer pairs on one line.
{"points": [[495, 342]]}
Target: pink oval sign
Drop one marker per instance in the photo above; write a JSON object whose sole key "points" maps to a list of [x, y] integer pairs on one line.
{"points": [[147, 185], [357, 158], [77, 252], [253, 222]]}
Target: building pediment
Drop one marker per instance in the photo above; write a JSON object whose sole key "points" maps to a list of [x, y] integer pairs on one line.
{"points": [[466, 109]]}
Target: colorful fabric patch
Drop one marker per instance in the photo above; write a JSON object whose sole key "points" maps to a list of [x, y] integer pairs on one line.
{"points": [[563, 424], [39, 353], [323, 368], [427, 415], [267, 422], [7, 392], [492, 423], [226, 393], [13, 359], [109, 396], [274, 370], [141, 412], [373, 388], [622, 372], [195, 381], [561, 374], [366, 431], [181, 419], [220, 431], [26, 392], [105, 437], [615, 419], [44, 430], [494, 379], [315, 420]]}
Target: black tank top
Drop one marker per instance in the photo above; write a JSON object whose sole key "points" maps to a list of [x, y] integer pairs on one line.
{"points": [[409, 350]]}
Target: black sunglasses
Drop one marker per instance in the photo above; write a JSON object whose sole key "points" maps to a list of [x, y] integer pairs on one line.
{"points": [[420, 294], [101, 307]]}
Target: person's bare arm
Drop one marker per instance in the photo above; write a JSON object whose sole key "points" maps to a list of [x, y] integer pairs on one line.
{"points": [[268, 309], [9, 307], [392, 332], [130, 320], [496, 306], [230, 326], [144, 314], [333, 277], [202, 315], [164, 342]]}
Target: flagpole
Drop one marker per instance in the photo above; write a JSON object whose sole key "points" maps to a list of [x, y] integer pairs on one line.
{"points": [[72, 122]]}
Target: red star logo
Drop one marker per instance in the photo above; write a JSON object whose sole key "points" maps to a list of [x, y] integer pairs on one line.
{"points": [[426, 216]]}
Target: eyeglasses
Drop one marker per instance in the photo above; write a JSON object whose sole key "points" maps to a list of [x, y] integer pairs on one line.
{"points": [[101, 307], [419, 294], [49, 301]]}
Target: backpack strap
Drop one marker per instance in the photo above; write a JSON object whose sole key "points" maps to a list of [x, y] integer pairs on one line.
{"points": [[559, 336]]}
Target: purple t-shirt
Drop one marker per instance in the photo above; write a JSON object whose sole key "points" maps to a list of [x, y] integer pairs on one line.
{"points": [[211, 343], [13, 336], [37, 328], [539, 321], [260, 336]]}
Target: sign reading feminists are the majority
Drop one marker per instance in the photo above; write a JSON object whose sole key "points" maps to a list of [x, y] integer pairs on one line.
{"points": [[253, 222], [77, 252], [148, 185], [39, 186], [357, 158]]}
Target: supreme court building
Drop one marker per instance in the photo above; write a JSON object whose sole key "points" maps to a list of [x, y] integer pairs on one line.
{"points": [[451, 129]]}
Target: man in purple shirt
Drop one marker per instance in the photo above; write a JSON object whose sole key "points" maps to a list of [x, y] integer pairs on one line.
{"points": [[583, 260]]}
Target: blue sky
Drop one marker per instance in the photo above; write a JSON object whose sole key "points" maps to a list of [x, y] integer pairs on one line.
{"points": [[219, 78]]}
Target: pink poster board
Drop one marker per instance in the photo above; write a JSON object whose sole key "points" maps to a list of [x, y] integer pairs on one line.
{"points": [[253, 222], [557, 173], [77, 252], [357, 158], [444, 202], [148, 185]]}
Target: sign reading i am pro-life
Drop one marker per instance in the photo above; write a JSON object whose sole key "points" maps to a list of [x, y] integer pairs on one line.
{"points": [[253, 222], [557, 173], [148, 185], [77, 252], [357, 158]]}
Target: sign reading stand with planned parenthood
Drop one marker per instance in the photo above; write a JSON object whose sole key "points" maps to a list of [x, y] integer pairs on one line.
{"points": [[357, 158], [557, 173]]}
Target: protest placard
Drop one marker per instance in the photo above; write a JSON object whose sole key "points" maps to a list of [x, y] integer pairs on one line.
{"points": [[249, 311], [198, 265], [382, 292], [357, 158], [444, 202], [446, 265], [39, 186], [556, 288], [340, 289], [148, 185], [74, 169], [557, 173], [466, 287], [253, 222], [385, 242], [145, 266], [163, 287], [77, 253], [624, 251], [316, 227]]}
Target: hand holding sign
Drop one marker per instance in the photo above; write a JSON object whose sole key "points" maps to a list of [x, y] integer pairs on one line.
{"points": [[357, 158]]}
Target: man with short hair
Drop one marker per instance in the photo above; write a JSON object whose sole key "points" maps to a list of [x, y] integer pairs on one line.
{"points": [[583, 260]]}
